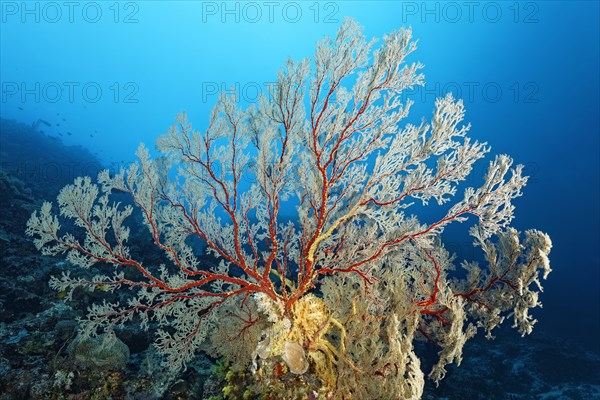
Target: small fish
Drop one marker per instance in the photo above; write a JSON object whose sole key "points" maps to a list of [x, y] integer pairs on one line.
{"points": [[57, 124], [60, 134], [20, 108], [69, 133], [64, 120], [91, 135]]}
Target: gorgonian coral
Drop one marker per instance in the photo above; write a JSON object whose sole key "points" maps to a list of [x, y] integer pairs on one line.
{"points": [[329, 303]]}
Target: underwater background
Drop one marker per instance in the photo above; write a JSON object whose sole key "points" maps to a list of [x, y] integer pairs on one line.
{"points": [[83, 83]]}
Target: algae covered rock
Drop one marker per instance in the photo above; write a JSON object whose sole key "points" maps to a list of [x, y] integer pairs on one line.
{"points": [[105, 351]]}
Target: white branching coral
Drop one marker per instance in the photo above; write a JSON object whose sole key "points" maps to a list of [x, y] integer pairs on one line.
{"points": [[340, 294]]}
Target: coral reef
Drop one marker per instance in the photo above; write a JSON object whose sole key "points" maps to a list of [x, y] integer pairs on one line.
{"points": [[333, 304]]}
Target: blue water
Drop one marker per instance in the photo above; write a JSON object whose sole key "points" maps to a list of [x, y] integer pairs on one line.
{"points": [[118, 73]]}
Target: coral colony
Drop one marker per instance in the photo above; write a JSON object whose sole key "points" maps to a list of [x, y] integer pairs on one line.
{"points": [[331, 303]]}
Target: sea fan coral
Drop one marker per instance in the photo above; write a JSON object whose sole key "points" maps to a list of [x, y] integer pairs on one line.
{"points": [[330, 303]]}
